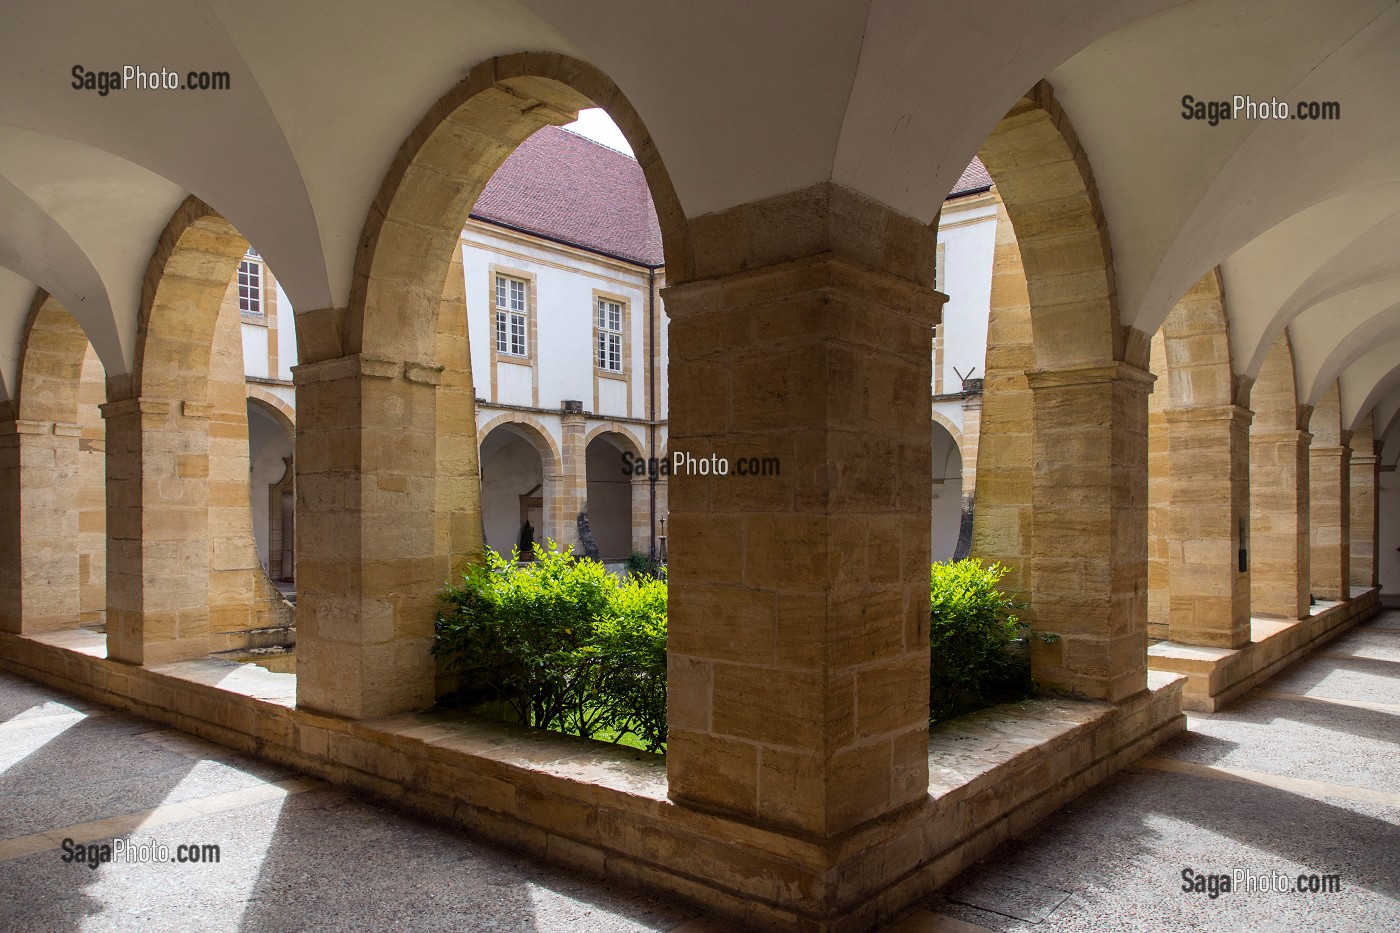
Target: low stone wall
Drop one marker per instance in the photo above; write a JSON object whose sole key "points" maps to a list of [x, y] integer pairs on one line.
{"points": [[1217, 676], [604, 809]]}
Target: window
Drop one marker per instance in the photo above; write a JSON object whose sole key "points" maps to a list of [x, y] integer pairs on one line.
{"points": [[609, 335], [511, 317], [250, 285]]}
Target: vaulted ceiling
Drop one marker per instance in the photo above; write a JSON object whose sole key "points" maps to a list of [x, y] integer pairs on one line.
{"points": [[744, 100]]}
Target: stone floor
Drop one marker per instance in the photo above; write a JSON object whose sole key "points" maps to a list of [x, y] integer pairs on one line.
{"points": [[1302, 776]]}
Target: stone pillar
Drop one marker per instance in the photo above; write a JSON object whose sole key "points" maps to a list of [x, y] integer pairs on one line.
{"points": [[1089, 570], [1207, 525], [10, 614], [157, 530], [1365, 514], [1329, 476], [799, 602], [971, 438], [1280, 549], [641, 513], [40, 527], [367, 574], [571, 486]]}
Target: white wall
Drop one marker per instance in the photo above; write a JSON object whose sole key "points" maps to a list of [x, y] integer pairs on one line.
{"points": [[254, 349], [967, 234], [565, 279], [286, 335]]}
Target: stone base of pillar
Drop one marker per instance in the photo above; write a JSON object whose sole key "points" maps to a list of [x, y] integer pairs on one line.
{"points": [[602, 808], [1217, 676]]}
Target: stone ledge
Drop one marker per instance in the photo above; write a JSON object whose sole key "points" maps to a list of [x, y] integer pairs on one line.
{"points": [[1217, 676], [604, 809]]}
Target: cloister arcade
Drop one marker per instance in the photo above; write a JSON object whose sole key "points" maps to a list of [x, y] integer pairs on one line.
{"points": [[1190, 372]]}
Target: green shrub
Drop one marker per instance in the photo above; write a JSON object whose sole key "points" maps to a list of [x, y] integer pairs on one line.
{"points": [[631, 642], [977, 650], [561, 644], [640, 565]]}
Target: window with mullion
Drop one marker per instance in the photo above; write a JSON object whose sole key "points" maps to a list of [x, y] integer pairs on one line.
{"points": [[250, 287], [512, 317], [609, 332]]}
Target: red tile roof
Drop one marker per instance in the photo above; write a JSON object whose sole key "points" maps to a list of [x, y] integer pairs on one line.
{"points": [[566, 187], [974, 178]]}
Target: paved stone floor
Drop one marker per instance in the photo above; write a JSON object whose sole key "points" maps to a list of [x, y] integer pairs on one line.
{"points": [[1300, 777]]}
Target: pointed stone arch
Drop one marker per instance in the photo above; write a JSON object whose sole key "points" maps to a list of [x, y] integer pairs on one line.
{"points": [[1279, 503], [44, 517], [373, 379], [1080, 513], [1199, 583], [1329, 498]]}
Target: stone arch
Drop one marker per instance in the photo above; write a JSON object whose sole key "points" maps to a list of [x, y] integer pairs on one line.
{"points": [[1002, 524], [441, 169], [1279, 503], [57, 492], [186, 280], [539, 435], [51, 363], [284, 414], [1329, 497], [947, 424], [634, 443], [533, 432], [272, 486], [178, 459], [1076, 516], [374, 372], [951, 497], [1364, 504], [1043, 176], [601, 485], [1198, 459]]}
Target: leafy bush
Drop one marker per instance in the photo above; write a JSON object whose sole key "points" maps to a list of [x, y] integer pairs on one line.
{"points": [[640, 565], [561, 644], [978, 649]]}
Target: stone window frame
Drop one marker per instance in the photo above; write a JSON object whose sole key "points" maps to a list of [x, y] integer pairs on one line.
{"points": [[621, 333], [623, 375], [532, 343], [256, 282], [525, 312]]}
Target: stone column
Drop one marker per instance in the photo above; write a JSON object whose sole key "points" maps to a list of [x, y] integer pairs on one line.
{"points": [[157, 530], [1365, 505], [799, 602], [44, 592], [1089, 570], [1329, 476], [367, 574], [10, 612], [1280, 549], [571, 485], [971, 438], [1207, 525]]}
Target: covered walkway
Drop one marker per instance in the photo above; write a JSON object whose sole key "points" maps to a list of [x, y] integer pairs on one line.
{"points": [[1299, 777]]}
